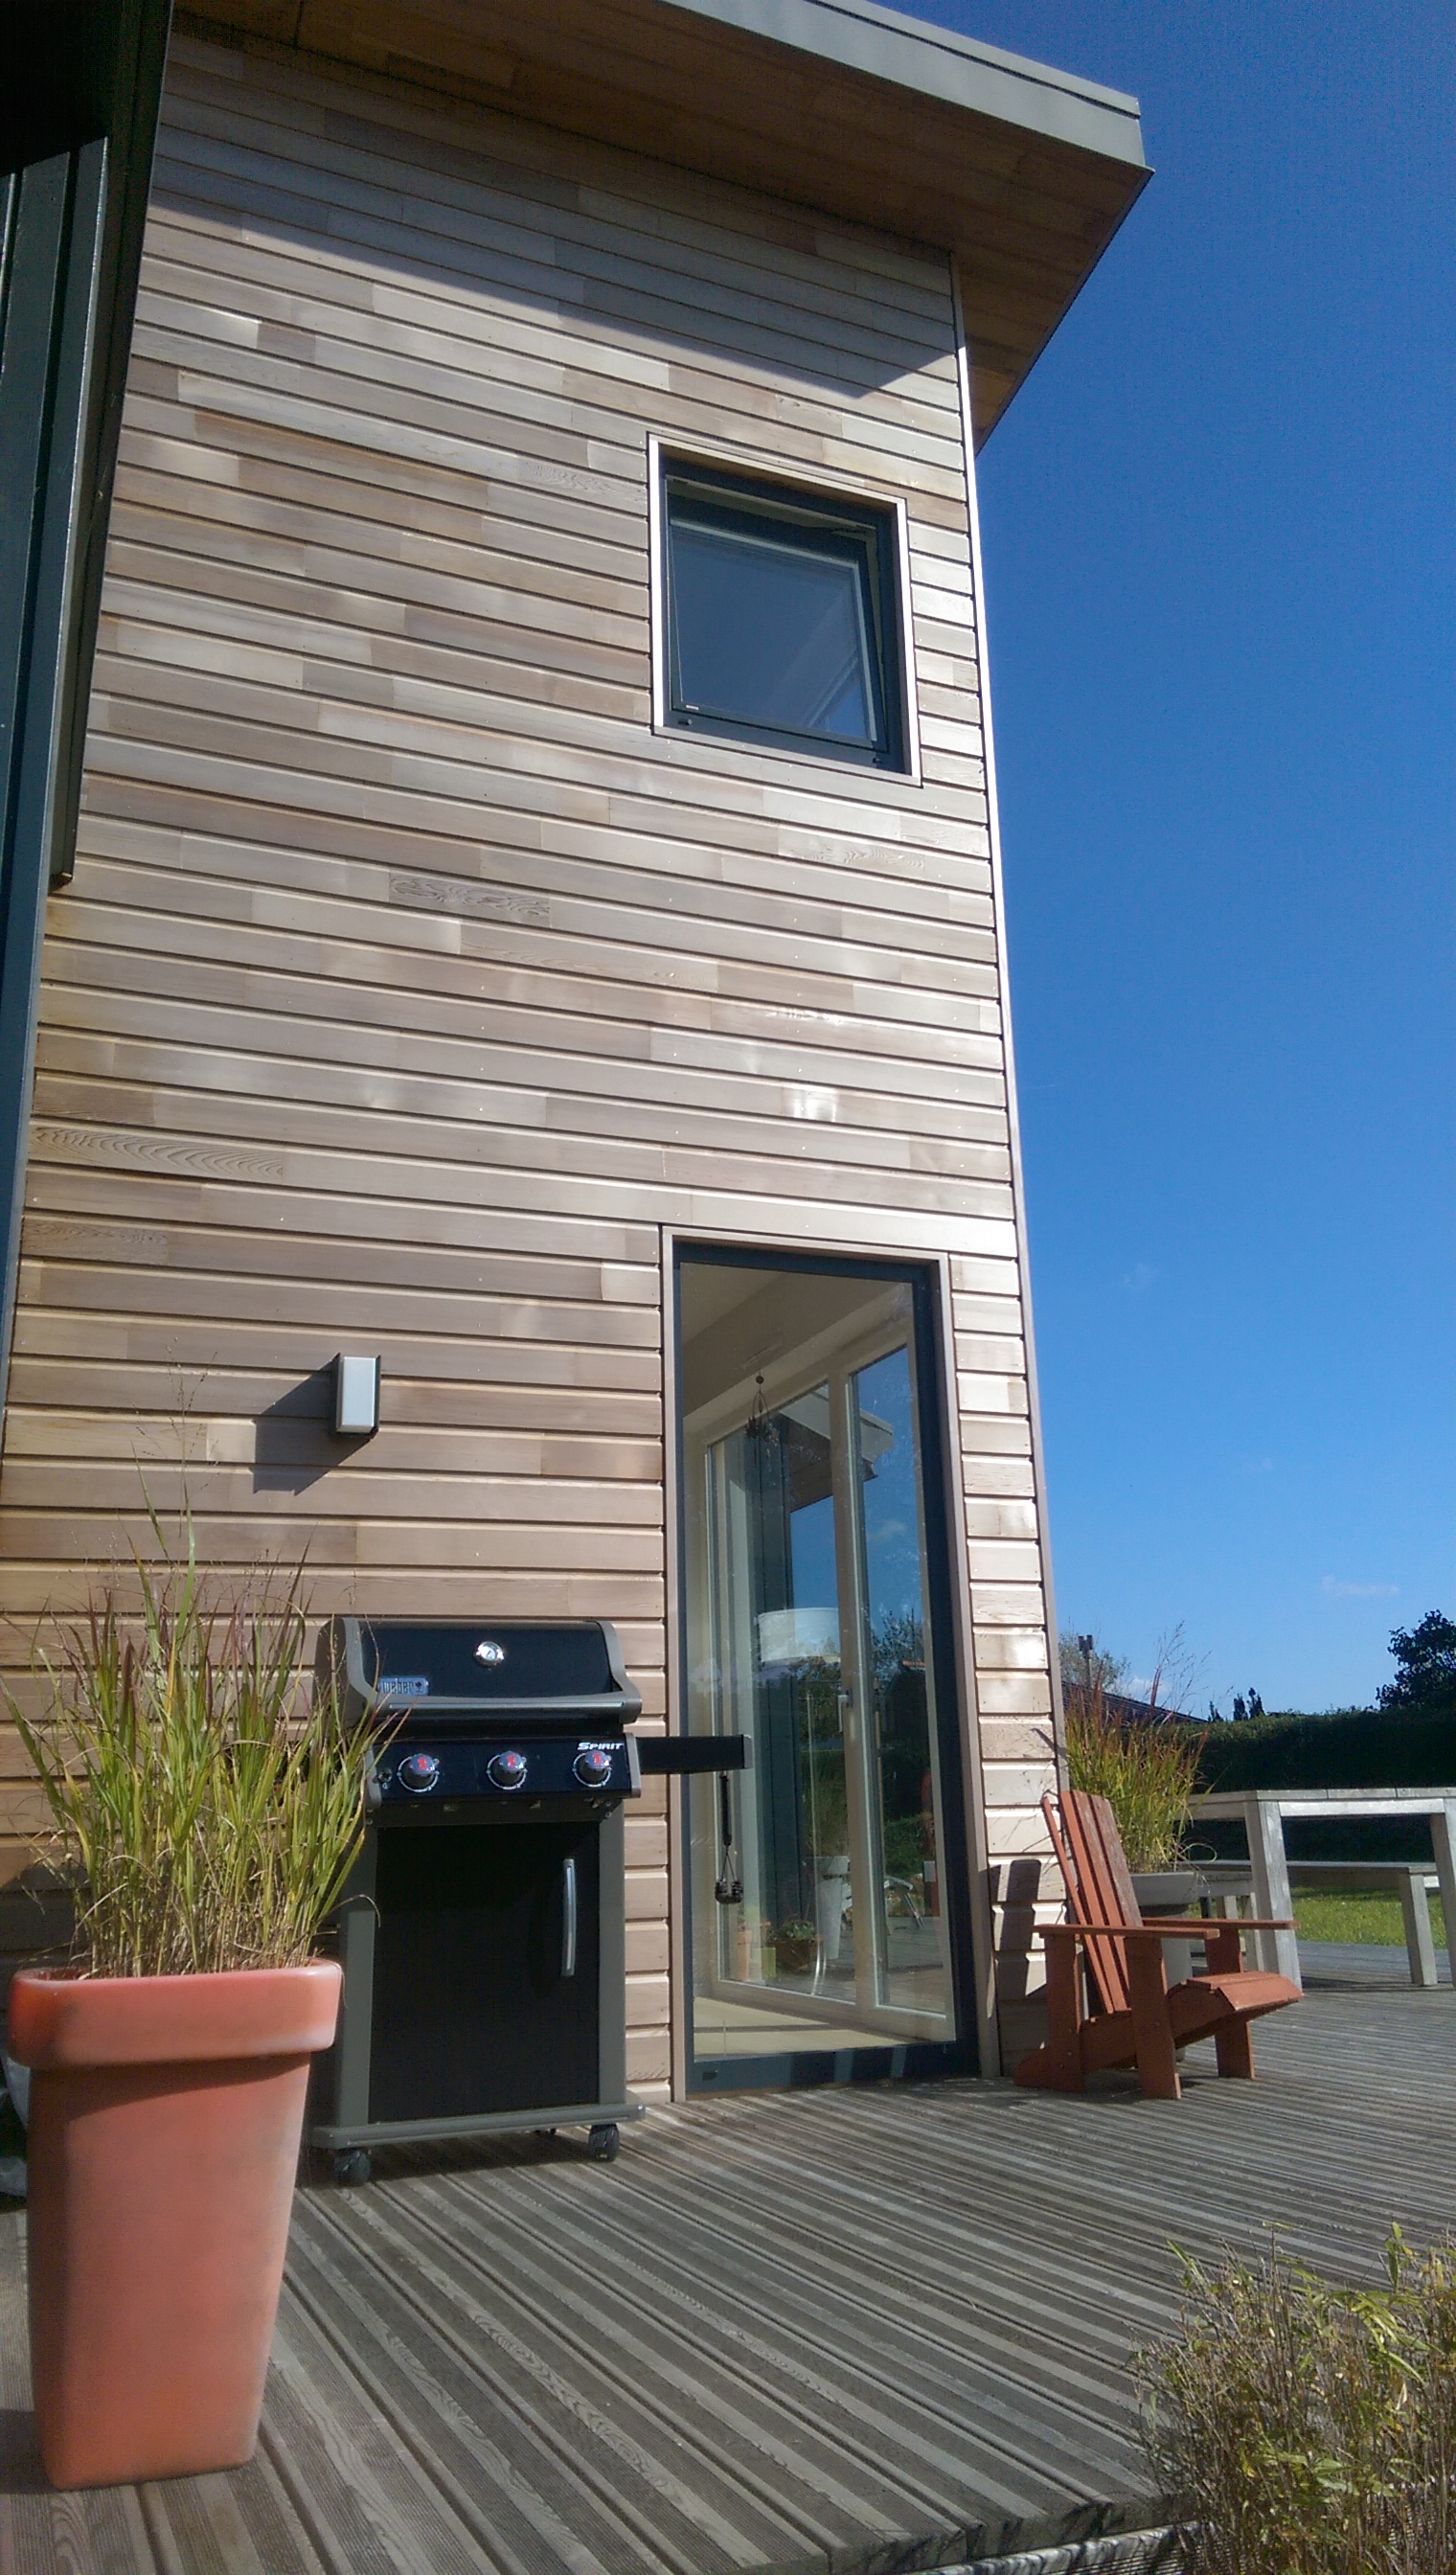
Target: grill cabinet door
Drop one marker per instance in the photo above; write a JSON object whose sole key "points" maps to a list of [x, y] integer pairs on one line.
{"points": [[471, 2011]]}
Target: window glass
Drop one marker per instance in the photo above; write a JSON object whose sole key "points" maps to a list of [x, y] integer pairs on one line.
{"points": [[783, 619], [771, 632]]}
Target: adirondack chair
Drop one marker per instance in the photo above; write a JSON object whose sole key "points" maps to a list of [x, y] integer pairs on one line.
{"points": [[1137, 2019]]}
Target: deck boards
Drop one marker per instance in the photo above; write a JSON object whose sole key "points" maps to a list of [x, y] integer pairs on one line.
{"points": [[823, 2333]]}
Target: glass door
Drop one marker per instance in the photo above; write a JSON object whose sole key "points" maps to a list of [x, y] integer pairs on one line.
{"points": [[823, 1916]]}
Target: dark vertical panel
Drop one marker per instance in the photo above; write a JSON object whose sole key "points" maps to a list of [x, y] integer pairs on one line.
{"points": [[137, 33], [35, 246], [44, 366], [81, 92]]}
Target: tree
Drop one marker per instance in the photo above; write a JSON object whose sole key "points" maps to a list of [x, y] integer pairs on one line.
{"points": [[1426, 1660], [897, 1645], [1085, 1663]]}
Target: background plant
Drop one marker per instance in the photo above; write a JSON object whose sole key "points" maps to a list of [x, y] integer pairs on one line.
{"points": [[1084, 1661], [204, 1824], [1300, 2428], [1425, 1660], [1146, 1770], [1408, 1741], [816, 1683]]}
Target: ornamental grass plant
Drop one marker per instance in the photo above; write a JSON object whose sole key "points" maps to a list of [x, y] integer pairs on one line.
{"points": [[204, 1824], [1146, 1770], [1296, 2427]]}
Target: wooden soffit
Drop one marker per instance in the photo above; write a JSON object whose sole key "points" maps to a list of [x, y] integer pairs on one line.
{"points": [[836, 105]]}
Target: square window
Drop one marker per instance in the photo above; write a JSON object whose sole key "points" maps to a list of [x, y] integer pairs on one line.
{"points": [[782, 616]]}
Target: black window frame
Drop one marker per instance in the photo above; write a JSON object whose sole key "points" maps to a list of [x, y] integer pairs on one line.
{"points": [[865, 532], [900, 2060]]}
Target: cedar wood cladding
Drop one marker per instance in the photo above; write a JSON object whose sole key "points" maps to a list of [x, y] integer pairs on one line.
{"points": [[409, 984]]}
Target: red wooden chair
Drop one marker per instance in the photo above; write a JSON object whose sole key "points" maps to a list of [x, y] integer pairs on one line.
{"points": [[1137, 2019]]}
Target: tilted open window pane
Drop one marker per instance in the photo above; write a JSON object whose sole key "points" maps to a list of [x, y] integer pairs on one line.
{"points": [[782, 617], [772, 633]]}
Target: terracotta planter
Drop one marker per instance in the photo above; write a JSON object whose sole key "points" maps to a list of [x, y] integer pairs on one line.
{"points": [[165, 2117]]}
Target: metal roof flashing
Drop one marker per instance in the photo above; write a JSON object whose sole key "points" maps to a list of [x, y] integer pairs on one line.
{"points": [[917, 54]]}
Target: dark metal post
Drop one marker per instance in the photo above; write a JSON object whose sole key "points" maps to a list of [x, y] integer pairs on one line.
{"points": [[82, 87]]}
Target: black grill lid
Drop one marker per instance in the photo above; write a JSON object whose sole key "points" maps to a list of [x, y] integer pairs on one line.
{"points": [[479, 1671]]}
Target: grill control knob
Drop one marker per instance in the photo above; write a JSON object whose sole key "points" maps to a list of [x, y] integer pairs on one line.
{"points": [[507, 1770], [420, 1773], [592, 1768]]}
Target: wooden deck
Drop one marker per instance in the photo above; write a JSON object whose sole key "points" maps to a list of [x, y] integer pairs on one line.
{"points": [[823, 2333]]}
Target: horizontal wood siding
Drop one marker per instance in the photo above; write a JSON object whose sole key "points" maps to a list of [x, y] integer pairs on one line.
{"points": [[409, 984]]}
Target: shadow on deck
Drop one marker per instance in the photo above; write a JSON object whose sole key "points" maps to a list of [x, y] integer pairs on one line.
{"points": [[833, 2331]]}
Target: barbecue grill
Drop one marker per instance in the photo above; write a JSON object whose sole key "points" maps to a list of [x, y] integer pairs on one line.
{"points": [[482, 1932]]}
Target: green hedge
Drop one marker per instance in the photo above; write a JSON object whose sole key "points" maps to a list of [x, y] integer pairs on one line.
{"points": [[1355, 1747]]}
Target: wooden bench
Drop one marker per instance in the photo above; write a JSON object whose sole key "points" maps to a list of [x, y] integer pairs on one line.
{"points": [[1228, 1880]]}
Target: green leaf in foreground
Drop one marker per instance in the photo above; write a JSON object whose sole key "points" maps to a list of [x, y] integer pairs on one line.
{"points": [[1300, 2427]]}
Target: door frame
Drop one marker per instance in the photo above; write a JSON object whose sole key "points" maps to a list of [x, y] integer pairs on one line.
{"points": [[974, 1954], [837, 1356]]}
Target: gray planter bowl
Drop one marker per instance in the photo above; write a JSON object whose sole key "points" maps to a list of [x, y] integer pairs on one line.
{"points": [[1169, 1890]]}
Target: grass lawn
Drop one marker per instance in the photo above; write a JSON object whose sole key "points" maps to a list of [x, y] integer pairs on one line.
{"points": [[1360, 1917]]}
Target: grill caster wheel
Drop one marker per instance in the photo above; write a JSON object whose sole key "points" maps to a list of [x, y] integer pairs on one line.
{"points": [[351, 2165], [604, 2145]]}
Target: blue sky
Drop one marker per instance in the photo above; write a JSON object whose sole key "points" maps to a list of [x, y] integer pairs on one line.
{"points": [[1220, 527]]}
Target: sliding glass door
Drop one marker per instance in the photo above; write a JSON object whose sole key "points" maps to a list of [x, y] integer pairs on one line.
{"points": [[826, 1898]]}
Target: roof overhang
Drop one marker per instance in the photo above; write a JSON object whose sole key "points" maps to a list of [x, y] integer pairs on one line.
{"points": [[836, 105]]}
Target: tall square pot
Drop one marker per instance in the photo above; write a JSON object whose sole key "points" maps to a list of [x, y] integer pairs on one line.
{"points": [[165, 2120]]}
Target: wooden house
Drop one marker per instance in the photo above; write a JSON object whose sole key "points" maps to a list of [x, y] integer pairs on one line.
{"points": [[532, 912]]}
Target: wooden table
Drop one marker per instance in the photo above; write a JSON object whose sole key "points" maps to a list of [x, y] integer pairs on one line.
{"points": [[1264, 1812], [1229, 1881]]}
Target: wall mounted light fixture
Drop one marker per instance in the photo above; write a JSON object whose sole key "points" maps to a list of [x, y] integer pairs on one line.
{"points": [[355, 1397]]}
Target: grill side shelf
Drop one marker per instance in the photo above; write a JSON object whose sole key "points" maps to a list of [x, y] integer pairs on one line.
{"points": [[682, 1757]]}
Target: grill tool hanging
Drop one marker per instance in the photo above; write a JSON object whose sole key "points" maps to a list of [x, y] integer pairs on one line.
{"points": [[729, 1887]]}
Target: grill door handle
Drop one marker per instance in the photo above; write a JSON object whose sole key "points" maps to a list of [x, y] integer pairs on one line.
{"points": [[569, 1917]]}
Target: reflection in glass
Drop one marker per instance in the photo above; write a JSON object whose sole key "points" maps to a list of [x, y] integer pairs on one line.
{"points": [[775, 1565], [807, 1614], [771, 630], [903, 1773]]}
